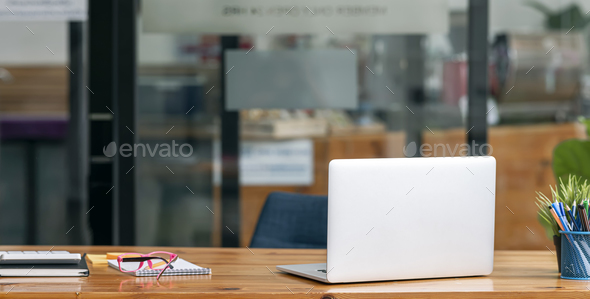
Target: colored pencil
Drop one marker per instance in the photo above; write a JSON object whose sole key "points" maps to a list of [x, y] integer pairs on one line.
{"points": [[583, 217]]}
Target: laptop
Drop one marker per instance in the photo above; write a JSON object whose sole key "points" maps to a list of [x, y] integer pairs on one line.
{"points": [[407, 218]]}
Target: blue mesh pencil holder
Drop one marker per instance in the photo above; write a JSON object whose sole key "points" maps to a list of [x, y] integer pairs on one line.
{"points": [[575, 255]]}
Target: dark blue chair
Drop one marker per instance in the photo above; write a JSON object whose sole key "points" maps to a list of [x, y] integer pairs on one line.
{"points": [[290, 220]]}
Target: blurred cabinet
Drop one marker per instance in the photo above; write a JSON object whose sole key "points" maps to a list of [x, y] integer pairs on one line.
{"points": [[35, 91]]}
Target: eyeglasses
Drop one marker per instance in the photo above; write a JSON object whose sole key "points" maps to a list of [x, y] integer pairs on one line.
{"points": [[132, 262]]}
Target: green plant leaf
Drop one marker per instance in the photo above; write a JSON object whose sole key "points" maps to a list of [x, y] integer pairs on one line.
{"points": [[572, 157]]}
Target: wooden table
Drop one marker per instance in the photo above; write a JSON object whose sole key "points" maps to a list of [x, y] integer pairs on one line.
{"points": [[241, 273]]}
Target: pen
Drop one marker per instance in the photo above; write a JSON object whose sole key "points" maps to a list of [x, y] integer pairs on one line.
{"points": [[554, 213], [575, 225], [562, 214], [557, 207], [561, 209], [574, 209], [552, 210]]}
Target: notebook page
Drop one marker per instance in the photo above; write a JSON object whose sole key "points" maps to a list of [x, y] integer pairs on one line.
{"points": [[181, 267]]}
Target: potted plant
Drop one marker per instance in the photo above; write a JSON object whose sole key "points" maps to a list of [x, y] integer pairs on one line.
{"points": [[573, 190], [571, 167]]}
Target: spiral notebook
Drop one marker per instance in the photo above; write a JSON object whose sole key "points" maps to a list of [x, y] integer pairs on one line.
{"points": [[181, 267]]}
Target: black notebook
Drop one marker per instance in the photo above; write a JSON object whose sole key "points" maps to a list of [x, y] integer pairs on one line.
{"points": [[56, 270]]}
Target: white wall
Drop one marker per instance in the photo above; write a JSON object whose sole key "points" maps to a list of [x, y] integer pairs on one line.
{"points": [[18, 46]]}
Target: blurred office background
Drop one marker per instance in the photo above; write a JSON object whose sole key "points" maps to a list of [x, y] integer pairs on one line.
{"points": [[397, 88]]}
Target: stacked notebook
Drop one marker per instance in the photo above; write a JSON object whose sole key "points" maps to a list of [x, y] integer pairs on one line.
{"points": [[181, 267], [31, 263]]}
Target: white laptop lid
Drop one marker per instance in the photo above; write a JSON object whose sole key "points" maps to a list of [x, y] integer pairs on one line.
{"points": [[410, 218]]}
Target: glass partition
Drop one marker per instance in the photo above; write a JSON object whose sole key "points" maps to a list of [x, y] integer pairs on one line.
{"points": [[34, 113], [178, 118], [303, 99]]}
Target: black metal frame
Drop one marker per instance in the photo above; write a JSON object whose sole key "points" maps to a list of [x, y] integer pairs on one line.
{"points": [[77, 140], [112, 64], [124, 80], [414, 78], [230, 146], [477, 85], [100, 94]]}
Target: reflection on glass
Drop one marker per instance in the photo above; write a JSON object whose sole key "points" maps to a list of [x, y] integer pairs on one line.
{"points": [[178, 121]]}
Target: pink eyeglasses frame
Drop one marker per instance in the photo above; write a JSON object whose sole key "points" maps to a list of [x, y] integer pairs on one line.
{"points": [[141, 258]]}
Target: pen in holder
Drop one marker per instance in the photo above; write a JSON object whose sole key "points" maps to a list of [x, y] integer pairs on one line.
{"points": [[575, 255]]}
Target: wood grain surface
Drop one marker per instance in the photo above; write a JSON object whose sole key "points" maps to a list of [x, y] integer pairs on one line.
{"points": [[241, 273]]}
